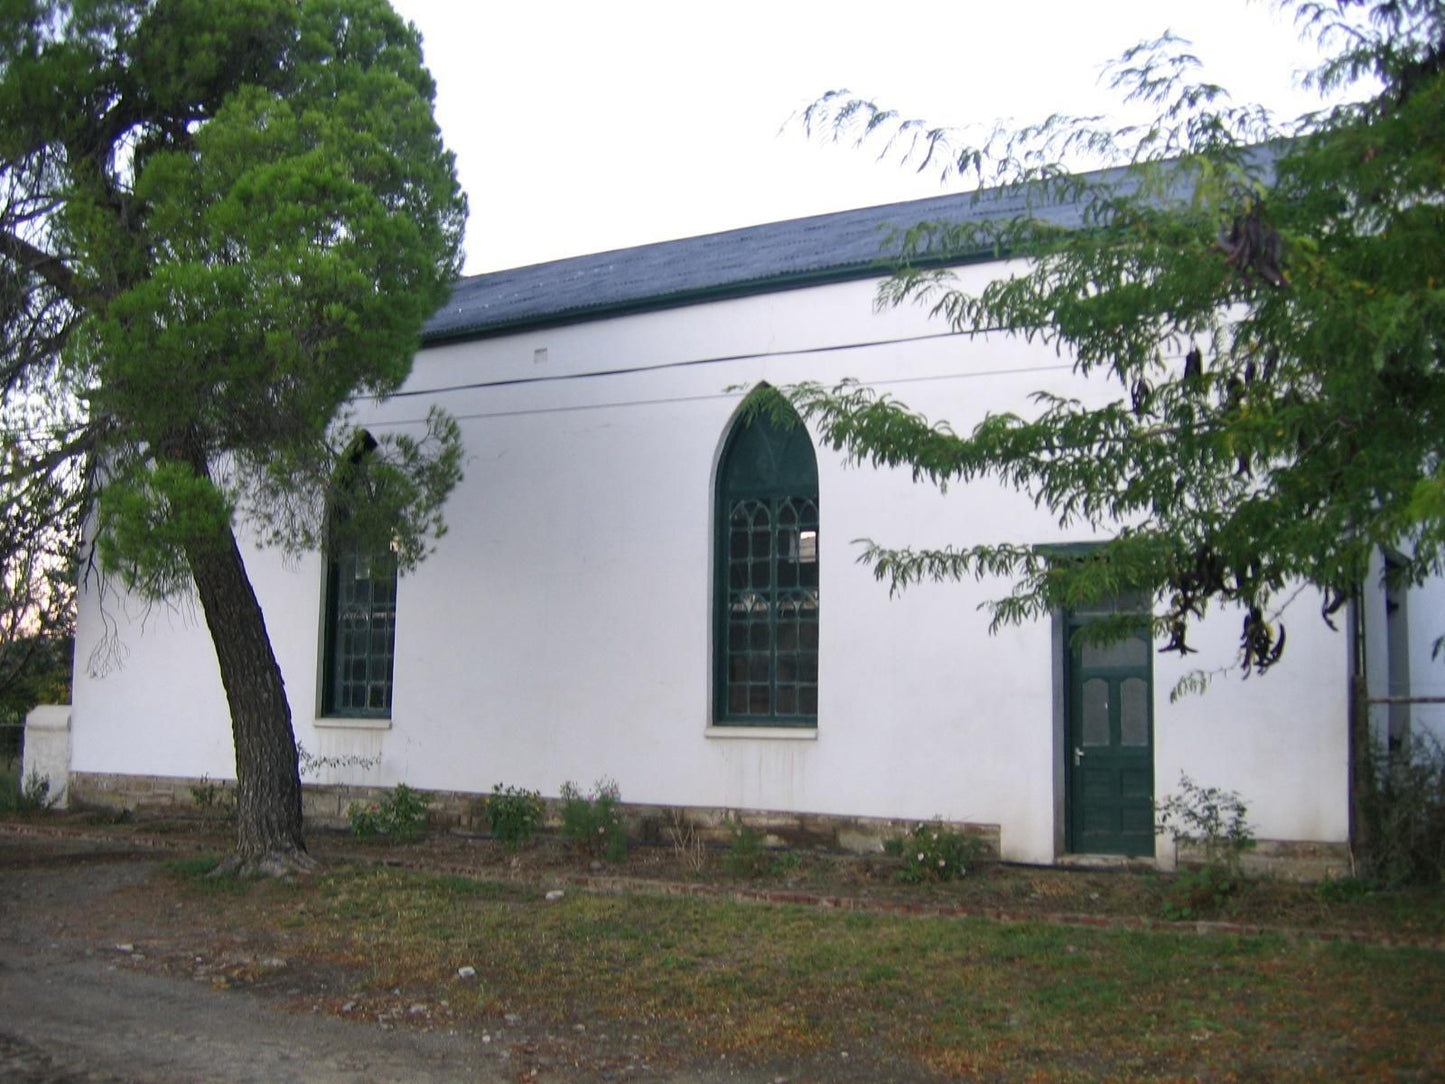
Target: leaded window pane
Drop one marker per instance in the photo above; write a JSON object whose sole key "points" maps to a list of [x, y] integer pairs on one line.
{"points": [[360, 650], [768, 609]]}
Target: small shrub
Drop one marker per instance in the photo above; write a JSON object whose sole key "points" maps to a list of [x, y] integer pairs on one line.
{"points": [[1211, 819], [749, 856], [1215, 821], [687, 842], [932, 852], [365, 819], [593, 822], [210, 796], [1198, 892], [1404, 813], [513, 813], [400, 816], [1344, 889], [746, 856]]}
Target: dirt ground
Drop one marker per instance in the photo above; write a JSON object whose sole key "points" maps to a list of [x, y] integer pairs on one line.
{"points": [[109, 974], [77, 1004], [105, 978]]}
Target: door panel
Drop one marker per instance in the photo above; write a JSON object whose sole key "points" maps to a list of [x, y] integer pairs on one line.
{"points": [[1110, 757]]}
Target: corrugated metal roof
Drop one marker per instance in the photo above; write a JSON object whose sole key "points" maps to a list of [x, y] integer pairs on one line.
{"points": [[756, 259]]}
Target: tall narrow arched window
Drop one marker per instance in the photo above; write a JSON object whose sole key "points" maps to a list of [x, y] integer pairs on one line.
{"points": [[766, 576], [360, 618]]}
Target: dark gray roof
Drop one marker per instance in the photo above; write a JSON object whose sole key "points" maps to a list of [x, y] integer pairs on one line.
{"points": [[756, 259]]}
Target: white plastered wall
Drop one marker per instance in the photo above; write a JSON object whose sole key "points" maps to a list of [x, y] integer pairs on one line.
{"points": [[1422, 625], [562, 628]]}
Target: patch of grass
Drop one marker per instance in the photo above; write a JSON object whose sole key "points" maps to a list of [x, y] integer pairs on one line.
{"points": [[192, 867], [917, 994], [196, 873]]}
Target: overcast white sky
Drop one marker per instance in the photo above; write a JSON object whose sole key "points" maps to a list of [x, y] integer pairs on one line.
{"points": [[587, 125]]}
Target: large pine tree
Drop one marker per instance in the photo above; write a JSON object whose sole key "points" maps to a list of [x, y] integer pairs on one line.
{"points": [[218, 223]]}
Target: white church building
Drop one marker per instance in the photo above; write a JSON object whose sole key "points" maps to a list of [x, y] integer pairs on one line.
{"points": [[637, 586]]}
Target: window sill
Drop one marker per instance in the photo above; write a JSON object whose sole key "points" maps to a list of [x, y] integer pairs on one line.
{"points": [[768, 733], [351, 722]]}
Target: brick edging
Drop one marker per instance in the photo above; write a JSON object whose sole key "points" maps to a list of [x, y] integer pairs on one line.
{"points": [[619, 886]]}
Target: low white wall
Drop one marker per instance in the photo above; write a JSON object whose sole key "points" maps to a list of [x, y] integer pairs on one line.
{"points": [[47, 750]]}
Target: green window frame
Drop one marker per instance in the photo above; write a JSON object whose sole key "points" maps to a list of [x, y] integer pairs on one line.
{"points": [[766, 624], [360, 634], [359, 643]]}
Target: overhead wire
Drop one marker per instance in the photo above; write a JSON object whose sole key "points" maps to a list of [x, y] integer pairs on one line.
{"points": [[686, 363]]}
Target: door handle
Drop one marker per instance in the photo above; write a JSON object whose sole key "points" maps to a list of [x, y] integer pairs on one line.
{"points": [[1078, 756]]}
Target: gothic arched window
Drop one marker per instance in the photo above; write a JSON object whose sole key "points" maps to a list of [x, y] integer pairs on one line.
{"points": [[766, 576]]}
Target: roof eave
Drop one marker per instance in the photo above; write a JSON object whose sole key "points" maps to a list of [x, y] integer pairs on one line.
{"points": [[683, 298]]}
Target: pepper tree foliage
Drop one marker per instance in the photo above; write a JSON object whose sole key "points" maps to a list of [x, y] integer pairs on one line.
{"points": [[1266, 299], [219, 224]]}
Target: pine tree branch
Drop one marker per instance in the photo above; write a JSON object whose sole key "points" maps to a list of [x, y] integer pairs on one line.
{"points": [[55, 272]]}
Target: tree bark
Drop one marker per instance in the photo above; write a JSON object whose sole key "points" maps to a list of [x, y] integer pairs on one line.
{"points": [[268, 781], [1361, 785]]}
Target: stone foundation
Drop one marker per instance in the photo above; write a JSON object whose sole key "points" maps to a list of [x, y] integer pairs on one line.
{"points": [[1287, 859], [325, 805]]}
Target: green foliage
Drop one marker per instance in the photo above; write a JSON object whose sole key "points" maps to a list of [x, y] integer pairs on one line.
{"points": [[1260, 306], [203, 874], [247, 233], [513, 813], [593, 821], [1209, 818], [1201, 892], [1216, 822], [39, 674], [223, 223], [746, 856], [193, 867], [932, 852], [1344, 889], [399, 816], [211, 796], [1404, 811], [12, 734]]}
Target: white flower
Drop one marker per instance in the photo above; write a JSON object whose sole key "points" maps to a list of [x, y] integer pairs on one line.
{"points": [[920, 856]]}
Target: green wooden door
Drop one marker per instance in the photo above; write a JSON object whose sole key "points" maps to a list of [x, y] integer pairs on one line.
{"points": [[1110, 756]]}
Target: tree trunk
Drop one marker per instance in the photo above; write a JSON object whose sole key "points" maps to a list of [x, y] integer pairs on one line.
{"points": [[1361, 772], [268, 782]]}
